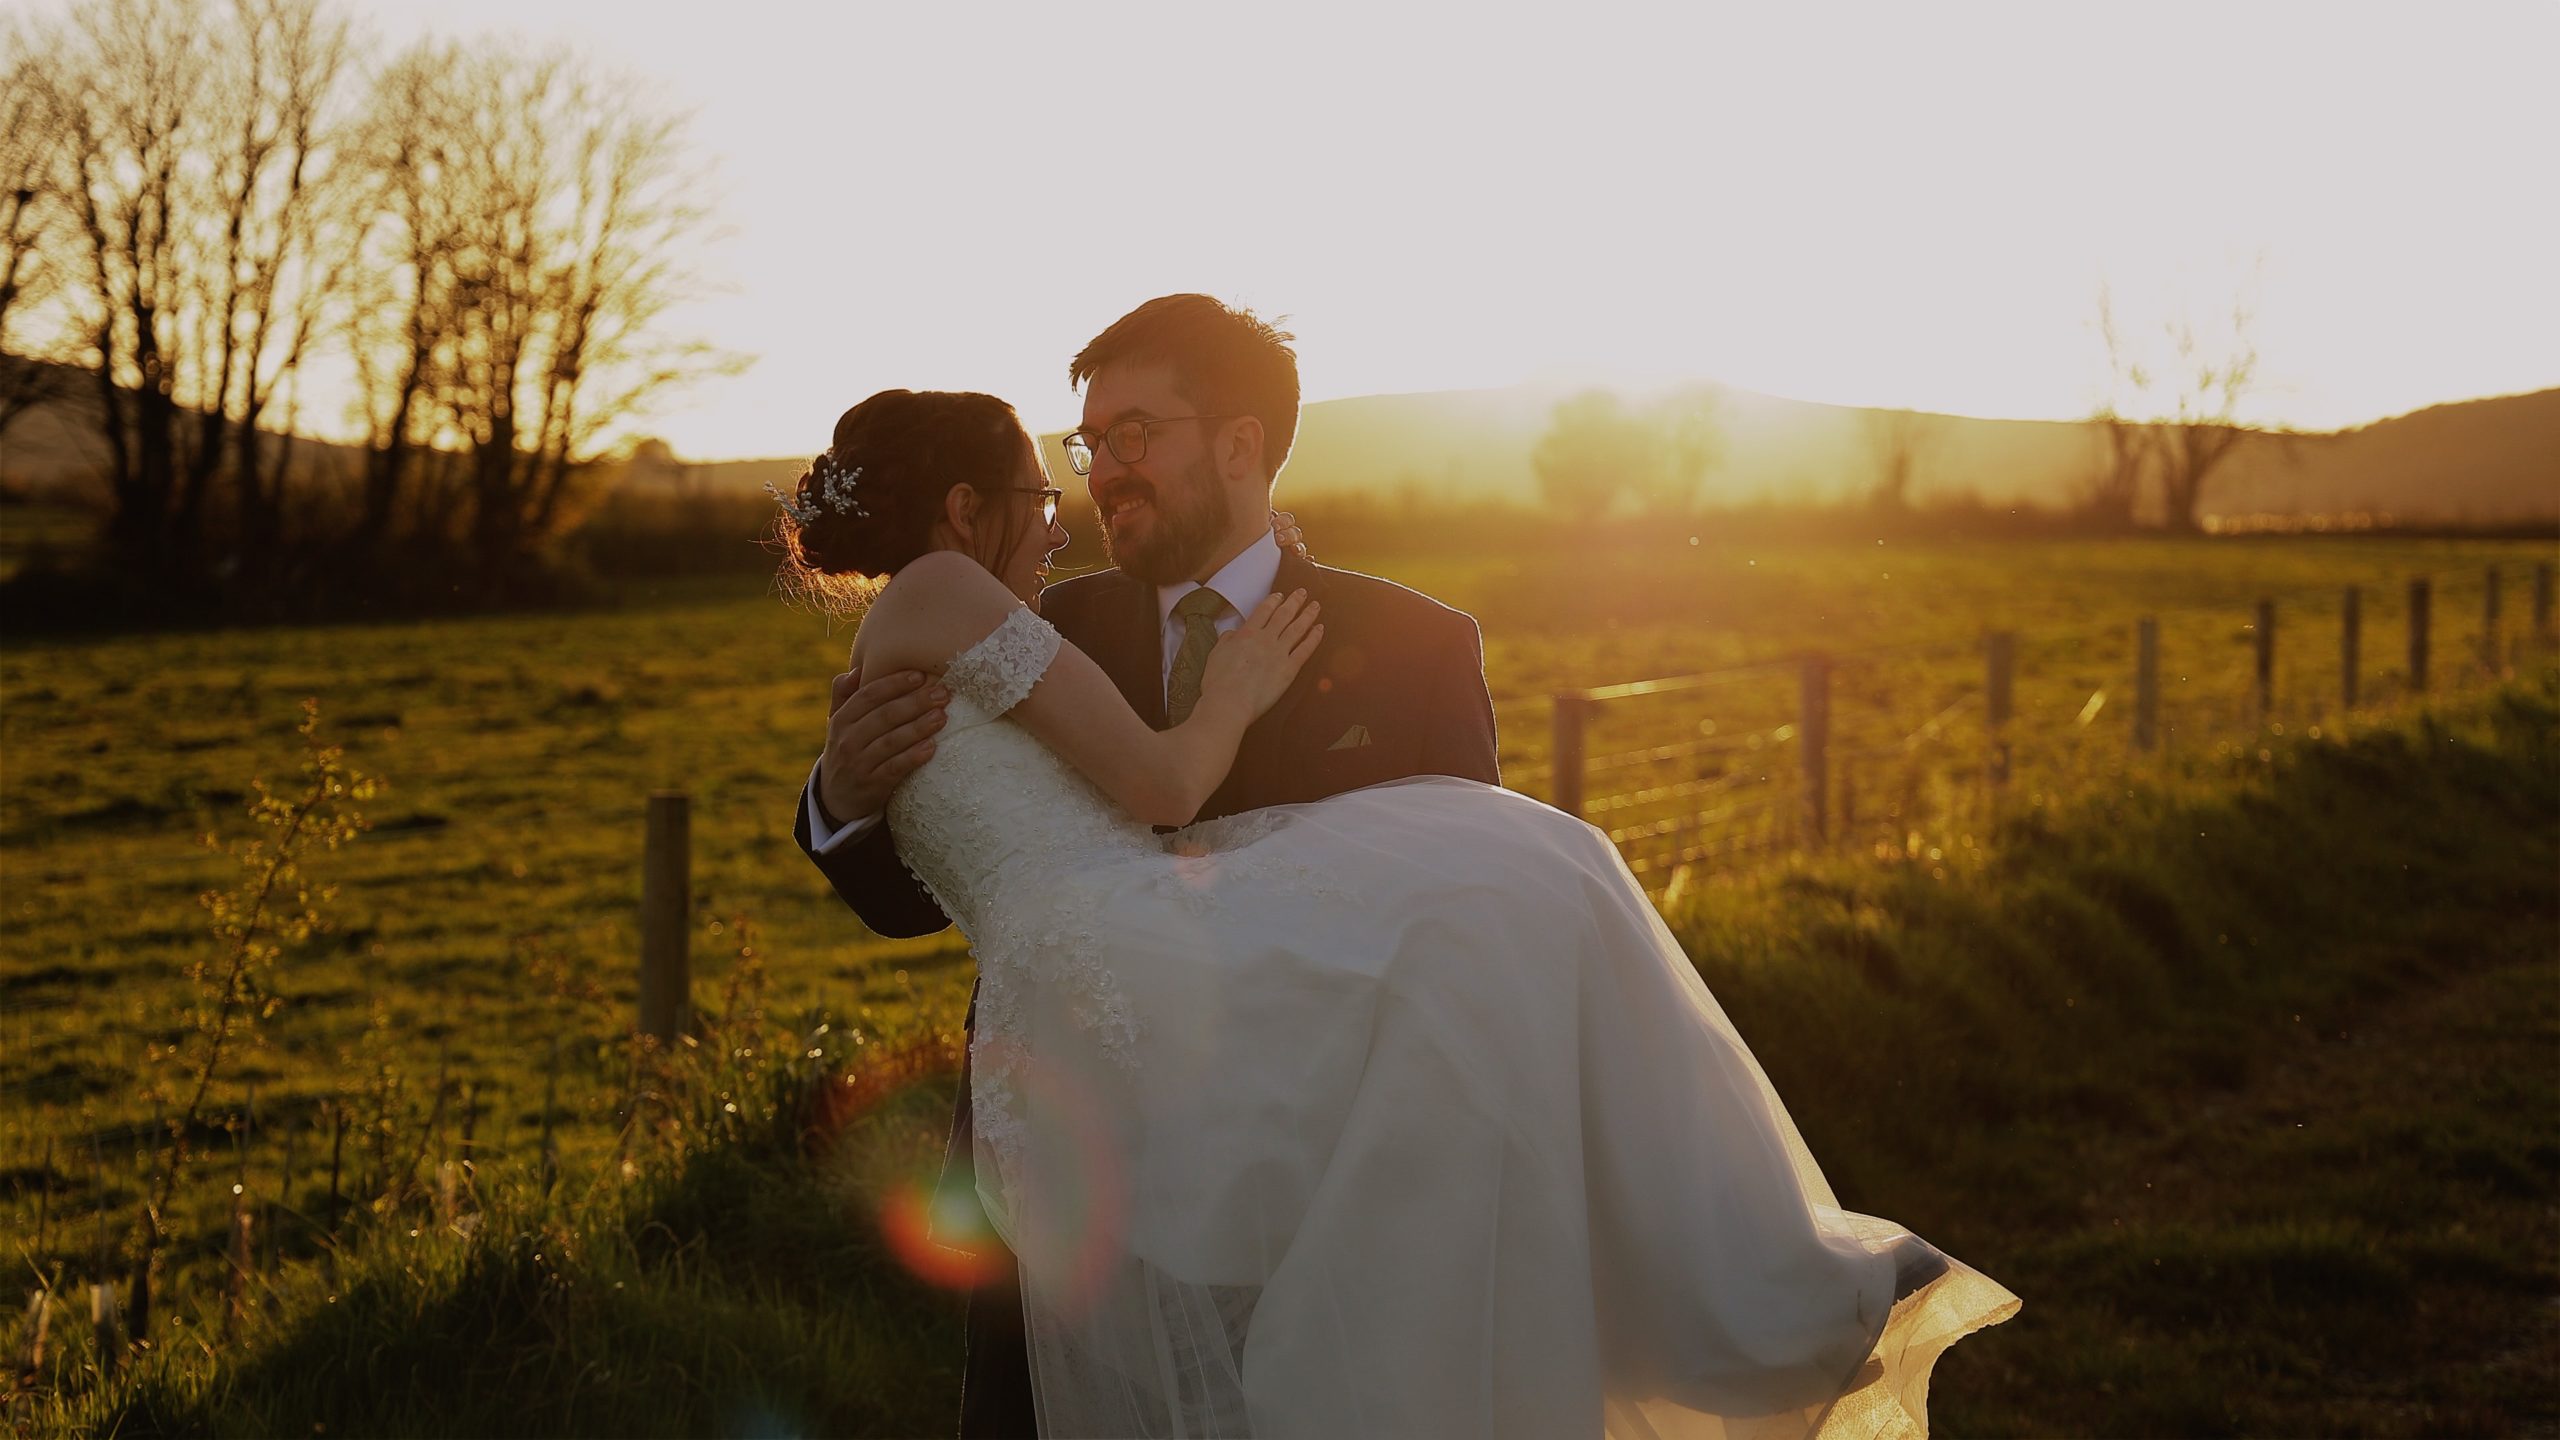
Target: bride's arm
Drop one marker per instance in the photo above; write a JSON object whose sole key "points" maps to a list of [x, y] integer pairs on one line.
{"points": [[943, 603]]}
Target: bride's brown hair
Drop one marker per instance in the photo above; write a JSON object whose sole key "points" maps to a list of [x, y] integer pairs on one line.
{"points": [[908, 448]]}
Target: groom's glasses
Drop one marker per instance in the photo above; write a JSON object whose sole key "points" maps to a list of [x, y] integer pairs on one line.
{"points": [[1049, 495], [1127, 441]]}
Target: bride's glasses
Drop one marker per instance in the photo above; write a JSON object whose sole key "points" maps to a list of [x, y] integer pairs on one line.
{"points": [[1127, 441], [1049, 495]]}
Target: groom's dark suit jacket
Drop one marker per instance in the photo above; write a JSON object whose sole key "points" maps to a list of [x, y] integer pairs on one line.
{"points": [[1396, 689]]}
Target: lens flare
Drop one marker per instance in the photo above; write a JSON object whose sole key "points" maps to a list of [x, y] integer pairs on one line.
{"points": [[1070, 1234], [941, 1236]]}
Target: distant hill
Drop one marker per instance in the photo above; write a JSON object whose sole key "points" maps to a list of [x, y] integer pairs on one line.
{"points": [[2474, 462], [2478, 461], [54, 449], [2491, 461], [54, 446]]}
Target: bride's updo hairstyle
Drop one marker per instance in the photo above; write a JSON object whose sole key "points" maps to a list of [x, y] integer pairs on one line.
{"points": [[868, 505]]}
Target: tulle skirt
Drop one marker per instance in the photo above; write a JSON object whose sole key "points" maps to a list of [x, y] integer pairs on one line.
{"points": [[1402, 1114]]}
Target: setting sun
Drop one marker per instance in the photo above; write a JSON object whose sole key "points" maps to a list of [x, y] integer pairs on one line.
{"points": [[1880, 206]]}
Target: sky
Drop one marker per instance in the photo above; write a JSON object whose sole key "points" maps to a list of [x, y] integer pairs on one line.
{"points": [[1902, 206]]}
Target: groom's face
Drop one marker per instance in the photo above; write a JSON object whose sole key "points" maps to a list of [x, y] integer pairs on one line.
{"points": [[1164, 515]]}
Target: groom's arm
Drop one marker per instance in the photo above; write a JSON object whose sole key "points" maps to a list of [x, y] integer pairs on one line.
{"points": [[1459, 739], [866, 872], [877, 734]]}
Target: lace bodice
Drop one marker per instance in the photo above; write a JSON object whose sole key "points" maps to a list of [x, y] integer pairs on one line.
{"points": [[994, 816], [1025, 855], [1013, 842]]}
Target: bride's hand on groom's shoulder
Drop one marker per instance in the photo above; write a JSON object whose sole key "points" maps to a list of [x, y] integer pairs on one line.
{"points": [[1284, 528], [1256, 661]]}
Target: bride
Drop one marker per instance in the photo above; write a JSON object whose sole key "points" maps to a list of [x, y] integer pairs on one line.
{"points": [[1399, 1113]]}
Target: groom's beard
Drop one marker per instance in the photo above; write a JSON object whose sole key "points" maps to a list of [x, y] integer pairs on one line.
{"points": [[1192, 515]]}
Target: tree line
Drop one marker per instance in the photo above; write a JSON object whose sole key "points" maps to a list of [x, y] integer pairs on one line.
{"points": [[218, 214], [2165, 421]]}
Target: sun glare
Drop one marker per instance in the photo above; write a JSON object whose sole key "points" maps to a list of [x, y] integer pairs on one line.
{"points": [[1893, 208]]}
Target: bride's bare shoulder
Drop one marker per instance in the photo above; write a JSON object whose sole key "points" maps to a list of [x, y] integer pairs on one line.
{"points": [[936, 606]]}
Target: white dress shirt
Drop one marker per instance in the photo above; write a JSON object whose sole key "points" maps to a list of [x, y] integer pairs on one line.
{"points": [[1241, 582]]}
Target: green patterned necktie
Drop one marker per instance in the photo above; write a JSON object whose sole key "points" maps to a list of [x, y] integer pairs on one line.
{"points": [[1198, 612]]}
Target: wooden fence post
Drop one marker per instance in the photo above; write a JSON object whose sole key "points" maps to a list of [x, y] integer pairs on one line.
{"points": [[44, 1204], [102, 1326], [2001, 656], [2350, 645], [283, 1196], [2542, 601], [2420, 594], [1816, 731], [1571, 706], [2265, 628], [337, 1154], [550, 1156], [666, 904], [102, 1291], [40, 1300], [39, 1320], [2146, 684], [470, 1125], [2489, 646], [138, 1287], [241, 1233]]}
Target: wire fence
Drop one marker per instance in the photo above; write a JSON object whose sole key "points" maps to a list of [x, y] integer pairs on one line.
{"points": [[1889, 749], [1869, 748], [1884, 748]]}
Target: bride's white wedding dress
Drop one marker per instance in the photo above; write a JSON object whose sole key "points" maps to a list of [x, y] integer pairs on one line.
{"points": [[1396, 1114]]}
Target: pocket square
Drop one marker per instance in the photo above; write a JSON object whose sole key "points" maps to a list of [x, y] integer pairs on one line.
{"points": [[1352, 739]]}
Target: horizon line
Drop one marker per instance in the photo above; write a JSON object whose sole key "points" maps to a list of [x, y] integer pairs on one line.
{"points": [[1647, 388]]}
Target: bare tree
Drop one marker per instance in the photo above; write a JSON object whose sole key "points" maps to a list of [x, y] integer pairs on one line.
{"points": [[31, 217], [1686, 442], [497, 237], [405, 307], [272, 248], [1596, 450], [195, 176], [1897, 441], [1590, 449], [2112, 490], [2177, 413], [2213, 374], [537, 223], [125, 83]]}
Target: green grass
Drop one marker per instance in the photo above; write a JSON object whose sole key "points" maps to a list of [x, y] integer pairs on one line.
{"points": [[741, 1284], [2260, 1160], [492, 910], [2247, 1087]]}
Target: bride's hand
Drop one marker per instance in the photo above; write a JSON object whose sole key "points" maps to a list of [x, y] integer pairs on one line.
{"points": [[1255, 662], [1284, 529]]}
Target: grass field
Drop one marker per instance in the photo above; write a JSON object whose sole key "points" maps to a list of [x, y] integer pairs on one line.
{"points": [[491, 910], [2269, 1148]]}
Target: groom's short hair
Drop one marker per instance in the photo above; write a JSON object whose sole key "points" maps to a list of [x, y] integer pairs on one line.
{"points": [[1224, 358]]}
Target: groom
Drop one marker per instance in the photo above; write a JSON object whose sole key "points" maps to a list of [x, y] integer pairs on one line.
{"points": [[1189, 410]]}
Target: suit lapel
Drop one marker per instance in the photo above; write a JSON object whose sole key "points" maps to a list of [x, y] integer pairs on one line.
{"points": [[1294, 574], [1130, 649], [1266, 750]]}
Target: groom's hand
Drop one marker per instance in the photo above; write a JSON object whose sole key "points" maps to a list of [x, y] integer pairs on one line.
{"points": [[877, 734]]}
